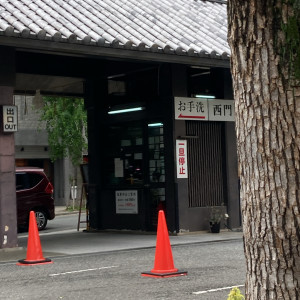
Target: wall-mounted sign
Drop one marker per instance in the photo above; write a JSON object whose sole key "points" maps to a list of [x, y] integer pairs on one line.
{"points": [[127, 202], [191, 109], [204, 109], [10, 118], [221, 110], [119, 168], [181, 158]]}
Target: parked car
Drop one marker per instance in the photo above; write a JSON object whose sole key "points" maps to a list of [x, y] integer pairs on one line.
{"points": [[34, 192]]}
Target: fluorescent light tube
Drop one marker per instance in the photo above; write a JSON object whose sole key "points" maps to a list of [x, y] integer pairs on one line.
{"points": [[155, 124], [206, 96], [126, 110]]}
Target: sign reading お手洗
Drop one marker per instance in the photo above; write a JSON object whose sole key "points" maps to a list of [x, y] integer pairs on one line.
{"points": [[204, 109]]}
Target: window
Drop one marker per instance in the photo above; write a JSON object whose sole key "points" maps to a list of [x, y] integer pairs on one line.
{"points": [[124, 164], [27, 180], [156, 153]]}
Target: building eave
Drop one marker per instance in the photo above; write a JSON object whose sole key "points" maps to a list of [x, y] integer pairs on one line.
{"points": [[79, 50]]}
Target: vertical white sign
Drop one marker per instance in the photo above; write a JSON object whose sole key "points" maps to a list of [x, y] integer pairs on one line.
{"points": [[119, 169], [181, 157], [127, 202], [10, 118]]}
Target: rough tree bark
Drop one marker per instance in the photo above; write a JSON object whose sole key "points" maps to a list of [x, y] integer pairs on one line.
{"points": [[267, 100]]}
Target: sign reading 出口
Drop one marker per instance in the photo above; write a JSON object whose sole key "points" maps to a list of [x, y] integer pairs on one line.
{"points": [[10, 118], [127, 202], [204, 109]]}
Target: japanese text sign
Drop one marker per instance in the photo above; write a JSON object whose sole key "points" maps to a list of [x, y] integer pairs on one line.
{"points": [[10, 118], [221, 110], [191, 109], [204, 109], [181, 157], [127, 202]]}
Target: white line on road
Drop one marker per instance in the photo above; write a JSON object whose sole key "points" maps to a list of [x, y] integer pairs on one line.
{"points": [[25, 235], [80, 271], [218, 289]]}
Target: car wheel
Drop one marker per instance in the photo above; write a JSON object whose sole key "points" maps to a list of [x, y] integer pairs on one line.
{"points": [[41, 219]]}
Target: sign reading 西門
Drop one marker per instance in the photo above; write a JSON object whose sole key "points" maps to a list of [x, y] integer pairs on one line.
{"points": [[127, 202], [181, 158], [221, 110], [204, 109], [10, 118]]}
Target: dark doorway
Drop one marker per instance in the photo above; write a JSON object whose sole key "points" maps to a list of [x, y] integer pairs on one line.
{"points": [[206, 164], [135, 160]]}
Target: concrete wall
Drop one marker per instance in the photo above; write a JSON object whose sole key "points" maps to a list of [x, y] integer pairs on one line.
{"points": [[8, 220]]}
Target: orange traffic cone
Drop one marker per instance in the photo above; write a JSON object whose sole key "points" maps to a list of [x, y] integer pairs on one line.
{"points": [[163, 264], [34, 250]]}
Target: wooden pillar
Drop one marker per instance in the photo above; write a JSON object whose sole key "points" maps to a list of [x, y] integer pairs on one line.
{"points": [[173, 83], [95, 97], [8, 207]]}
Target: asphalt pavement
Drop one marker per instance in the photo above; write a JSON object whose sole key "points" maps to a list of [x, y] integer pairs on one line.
{"points": [[73, 242]]}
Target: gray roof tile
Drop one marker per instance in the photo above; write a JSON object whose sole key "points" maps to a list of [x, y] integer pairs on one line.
{"points": [[184, 27]]}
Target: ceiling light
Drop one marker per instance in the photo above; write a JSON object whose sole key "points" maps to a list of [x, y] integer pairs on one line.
{"points": [[205, 96], [155, 124], [125, 110]]}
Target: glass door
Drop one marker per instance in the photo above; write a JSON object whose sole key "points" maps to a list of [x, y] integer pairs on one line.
{"points": [[124, 162], [156, 172], [135, 160]]}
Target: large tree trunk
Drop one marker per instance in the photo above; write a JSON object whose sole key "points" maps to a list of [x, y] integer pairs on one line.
{"points": [[268, 137]]}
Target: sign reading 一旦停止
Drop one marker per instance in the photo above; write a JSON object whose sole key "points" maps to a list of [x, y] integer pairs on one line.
{"points": [[10, 118], [127, 202], [204, 109], [181, 157]]}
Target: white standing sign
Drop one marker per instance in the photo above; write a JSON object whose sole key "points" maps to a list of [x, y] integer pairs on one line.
{"points": [[181, 157], [10, 118], [127, 202]]}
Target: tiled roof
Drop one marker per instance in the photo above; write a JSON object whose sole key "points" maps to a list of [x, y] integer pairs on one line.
{"points": [[182, 27]]}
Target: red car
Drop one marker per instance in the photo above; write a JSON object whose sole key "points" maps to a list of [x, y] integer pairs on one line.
{"points": [[34, 192]]}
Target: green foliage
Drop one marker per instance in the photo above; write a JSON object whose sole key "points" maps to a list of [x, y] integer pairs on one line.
{"points": [[66, 124], [217, 214], [235, 294], [289, 46]]}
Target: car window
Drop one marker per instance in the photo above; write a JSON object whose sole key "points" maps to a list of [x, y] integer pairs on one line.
{"points": [[27, 180]]}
